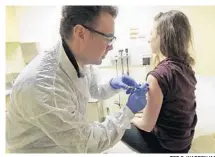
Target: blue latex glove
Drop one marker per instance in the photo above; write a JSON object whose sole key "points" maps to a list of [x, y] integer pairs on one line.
{"points": [[131, 90], [137, 98], [123, 82]]}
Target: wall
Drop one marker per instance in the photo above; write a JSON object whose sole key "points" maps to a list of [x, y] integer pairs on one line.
{"points": [[14, 60], [202, 19], [203, 23], [12, 29], [26, 26], [41, 24]]}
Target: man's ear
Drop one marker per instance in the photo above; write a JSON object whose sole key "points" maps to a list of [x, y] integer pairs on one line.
{"points": [[79, 32]]}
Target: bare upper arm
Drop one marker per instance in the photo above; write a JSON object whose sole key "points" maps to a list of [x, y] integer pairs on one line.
{"points": [[154, 103]]}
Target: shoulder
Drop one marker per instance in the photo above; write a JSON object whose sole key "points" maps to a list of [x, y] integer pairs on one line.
{"points": [[162, 75], [152, 80], [163, 71], [155, 89]]}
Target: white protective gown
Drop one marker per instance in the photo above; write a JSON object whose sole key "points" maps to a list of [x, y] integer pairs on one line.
{"points": [[47, 112]]}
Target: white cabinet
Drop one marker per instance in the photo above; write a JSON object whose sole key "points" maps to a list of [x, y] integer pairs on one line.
{"points": [[14, 58]]}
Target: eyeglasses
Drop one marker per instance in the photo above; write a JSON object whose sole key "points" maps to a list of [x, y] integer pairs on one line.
{"points": [[109, 37]]}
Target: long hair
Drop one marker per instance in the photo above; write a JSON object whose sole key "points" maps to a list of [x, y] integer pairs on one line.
{"points": [[174, 30]]}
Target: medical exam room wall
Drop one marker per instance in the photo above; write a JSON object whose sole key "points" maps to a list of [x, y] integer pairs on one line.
{"points": [[203, 23], [39, 24], [14, 60], [33, 24], [202, 19], [28, 24]]}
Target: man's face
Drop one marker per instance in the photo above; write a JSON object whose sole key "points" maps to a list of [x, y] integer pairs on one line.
{"points": [[95, 46]]}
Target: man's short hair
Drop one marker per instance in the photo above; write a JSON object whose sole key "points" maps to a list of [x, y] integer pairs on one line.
{"points": [[83, 15]]}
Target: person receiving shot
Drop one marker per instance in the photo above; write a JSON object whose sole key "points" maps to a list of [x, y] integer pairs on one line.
{"points": [[167, 124]]}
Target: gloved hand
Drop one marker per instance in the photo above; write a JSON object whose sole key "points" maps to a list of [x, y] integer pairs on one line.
{"points": [[137, 98], [123, 82]]}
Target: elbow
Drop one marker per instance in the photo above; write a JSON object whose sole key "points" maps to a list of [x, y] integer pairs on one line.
{"points": [[95, 96], [143, 125], [148, 128], [99, 95]]}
